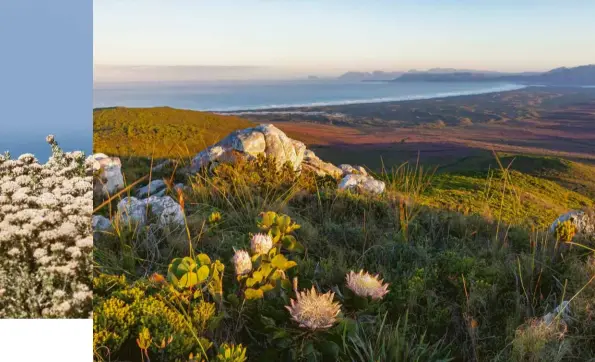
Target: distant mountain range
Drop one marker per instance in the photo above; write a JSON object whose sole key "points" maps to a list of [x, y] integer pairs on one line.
{"points": [[379, 75], [369, 76], [582, 75]]}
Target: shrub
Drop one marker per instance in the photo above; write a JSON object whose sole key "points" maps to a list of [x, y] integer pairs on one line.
{"points": [[45, 236]]}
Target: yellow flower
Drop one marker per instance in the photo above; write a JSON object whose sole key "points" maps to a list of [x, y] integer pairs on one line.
{"points": [[364, 285], [261, 243], [242, 262], [314, 311]]}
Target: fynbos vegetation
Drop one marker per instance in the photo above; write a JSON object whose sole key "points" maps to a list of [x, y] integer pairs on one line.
{"points": [[273, 264], [45, 236]]}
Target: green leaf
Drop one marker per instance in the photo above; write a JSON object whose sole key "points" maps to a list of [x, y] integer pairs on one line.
{"points": [[286, 284], [279, 261], [257, 276], [267, 322], [203, 273], [204, 259], [268, 219], [329, 349], [250, 282], [251, 293], [281, 333], [275, 234], [188, 280], [233, 299], [283, 221], [265, 288]]}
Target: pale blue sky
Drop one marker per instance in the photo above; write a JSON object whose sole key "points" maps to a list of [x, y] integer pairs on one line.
{"points": [[335, 35]]}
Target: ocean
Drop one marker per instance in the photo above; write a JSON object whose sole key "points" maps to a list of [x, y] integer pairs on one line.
{"points": [[244, 95]]}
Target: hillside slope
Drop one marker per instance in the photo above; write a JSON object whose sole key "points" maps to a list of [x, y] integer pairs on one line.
{"points": [[161, 131]]}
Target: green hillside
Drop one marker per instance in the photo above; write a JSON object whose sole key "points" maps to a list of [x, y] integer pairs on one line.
{"points": [[159, 132], [470, 266]]}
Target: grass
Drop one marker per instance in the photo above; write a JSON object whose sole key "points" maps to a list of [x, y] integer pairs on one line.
{"points": [[464, 248], [463, 287], [159, 132]]}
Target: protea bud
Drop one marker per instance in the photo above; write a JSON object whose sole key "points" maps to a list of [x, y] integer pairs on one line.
{"points": [[261, 243], [242, 262], [366, 285]]}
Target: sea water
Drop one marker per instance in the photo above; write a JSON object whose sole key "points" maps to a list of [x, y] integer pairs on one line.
{"points": [[244, 95]]}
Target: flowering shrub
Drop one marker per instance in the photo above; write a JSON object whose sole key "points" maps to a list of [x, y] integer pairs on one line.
{"points": [[565, 231], [45, 236]]}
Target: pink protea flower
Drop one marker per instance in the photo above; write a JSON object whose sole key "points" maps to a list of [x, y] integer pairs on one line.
{"points": [[261, 243], [242, 262], [366, 285], [313, 310]]}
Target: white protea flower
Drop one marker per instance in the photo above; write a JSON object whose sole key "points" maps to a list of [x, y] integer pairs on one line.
{"points": [[261, 243], [313, 310], [242, 262], [366, 285]]}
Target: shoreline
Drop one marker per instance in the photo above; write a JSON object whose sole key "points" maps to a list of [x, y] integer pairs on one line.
{"points": [[270, 109], [496, 88]]}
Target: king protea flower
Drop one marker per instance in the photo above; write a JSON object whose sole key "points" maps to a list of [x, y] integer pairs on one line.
{"points": [[314, 311], [242, 262], [261, 243], [366, 285]]}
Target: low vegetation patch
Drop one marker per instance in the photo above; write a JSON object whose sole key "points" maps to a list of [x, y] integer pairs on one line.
{"points": [[274, 265]]}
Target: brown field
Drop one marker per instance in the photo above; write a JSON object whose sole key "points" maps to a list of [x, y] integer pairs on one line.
{"points": [[564, 129]]}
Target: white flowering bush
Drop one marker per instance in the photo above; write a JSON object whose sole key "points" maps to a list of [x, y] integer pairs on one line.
{"points": [[45, 236]]}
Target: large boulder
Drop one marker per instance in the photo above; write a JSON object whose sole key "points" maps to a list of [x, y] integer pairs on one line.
{"points": [[109, 174], [249, 143], [583, 221], [268, 140], [362, 184]]}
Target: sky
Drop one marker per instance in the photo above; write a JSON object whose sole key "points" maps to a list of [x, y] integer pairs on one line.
{"points": [[332, 36]]}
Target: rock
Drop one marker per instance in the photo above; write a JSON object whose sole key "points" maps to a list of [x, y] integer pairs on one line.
{"points": [[151, 189], [132, 211], [362, 184], [321, 168], [161, 165], [250, 142], [101, 223], [583, 221], [563, 310], [348, 169], [108, 170], [361, 170], [163, 208], [168, 211]]}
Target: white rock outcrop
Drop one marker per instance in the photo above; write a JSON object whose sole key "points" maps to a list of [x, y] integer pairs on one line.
{"points": [[109, 173], [321, 168], [163, 208], [362, 184], [583, 221], [269, 140], [250, 142]]}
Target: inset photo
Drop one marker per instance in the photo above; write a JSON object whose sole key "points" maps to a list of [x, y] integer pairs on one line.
{"points": [[359, 181]]}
